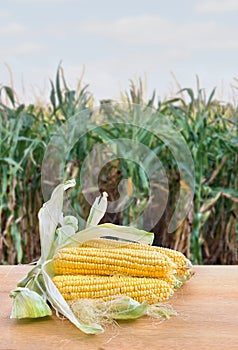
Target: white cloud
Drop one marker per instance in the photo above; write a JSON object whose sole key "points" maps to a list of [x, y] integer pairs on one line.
{"points": [[110, 75], [4, 14], [137, 46], [217, 6], [38, 1], [11, 29], [136, 30], [26, 48], [156, 32]]}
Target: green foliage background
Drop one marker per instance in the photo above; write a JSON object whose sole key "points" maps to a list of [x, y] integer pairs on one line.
{"points": [[209, 234]]}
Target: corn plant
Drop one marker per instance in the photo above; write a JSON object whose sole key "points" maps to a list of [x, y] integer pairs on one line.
{"points": [[210, 232], [25, 133], [210, 131]]}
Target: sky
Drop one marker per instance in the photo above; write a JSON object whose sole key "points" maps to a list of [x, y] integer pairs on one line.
{"points": [[108, 43]]}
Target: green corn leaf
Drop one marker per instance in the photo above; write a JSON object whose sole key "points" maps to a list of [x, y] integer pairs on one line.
{"points": [[10, 94], [210, 99], [16, 237], [209, 203], [52, 96], [230, 193], [11, 161], [58, 86]]}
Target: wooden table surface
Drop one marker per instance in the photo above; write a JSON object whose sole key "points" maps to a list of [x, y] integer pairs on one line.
{"points": [[207, 318]]}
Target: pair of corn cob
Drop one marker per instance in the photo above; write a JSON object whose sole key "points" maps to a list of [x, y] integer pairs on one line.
{"points": [[104, 268]]}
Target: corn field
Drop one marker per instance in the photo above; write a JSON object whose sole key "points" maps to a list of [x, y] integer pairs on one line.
{"points": [[209, 235]]}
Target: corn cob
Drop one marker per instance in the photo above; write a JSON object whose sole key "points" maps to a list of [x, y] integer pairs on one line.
{"points": [[93, 261], [184, 275], [177, 257], [73, 287], [173, 281]]}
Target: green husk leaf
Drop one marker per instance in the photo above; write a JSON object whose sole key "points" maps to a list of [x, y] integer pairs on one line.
{"points": [[64, 233], [90, 311], [71, 221], [49, 217], [60, 305], [98, 210], [126, 308], [28, 304], [125, 233], [33, 272]]}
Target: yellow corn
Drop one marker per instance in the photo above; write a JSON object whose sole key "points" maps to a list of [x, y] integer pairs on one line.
{"points": [[173, 281], [94, 261], [184, 275], [73, 287], [177, 257]]}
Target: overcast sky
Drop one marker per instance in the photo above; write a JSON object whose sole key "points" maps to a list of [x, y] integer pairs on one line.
{"points": [[119, 40]]}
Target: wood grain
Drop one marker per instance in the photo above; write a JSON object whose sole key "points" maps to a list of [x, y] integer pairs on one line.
{"points": [[208, 319]]}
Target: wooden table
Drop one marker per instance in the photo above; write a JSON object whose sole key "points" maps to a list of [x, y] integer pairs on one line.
{"points": [[207, 318]]}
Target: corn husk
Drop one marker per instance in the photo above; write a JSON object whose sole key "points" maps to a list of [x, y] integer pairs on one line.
{"points": [[70, 220], [49, 217], [28, 304], [98, 210], [60, 305]]}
